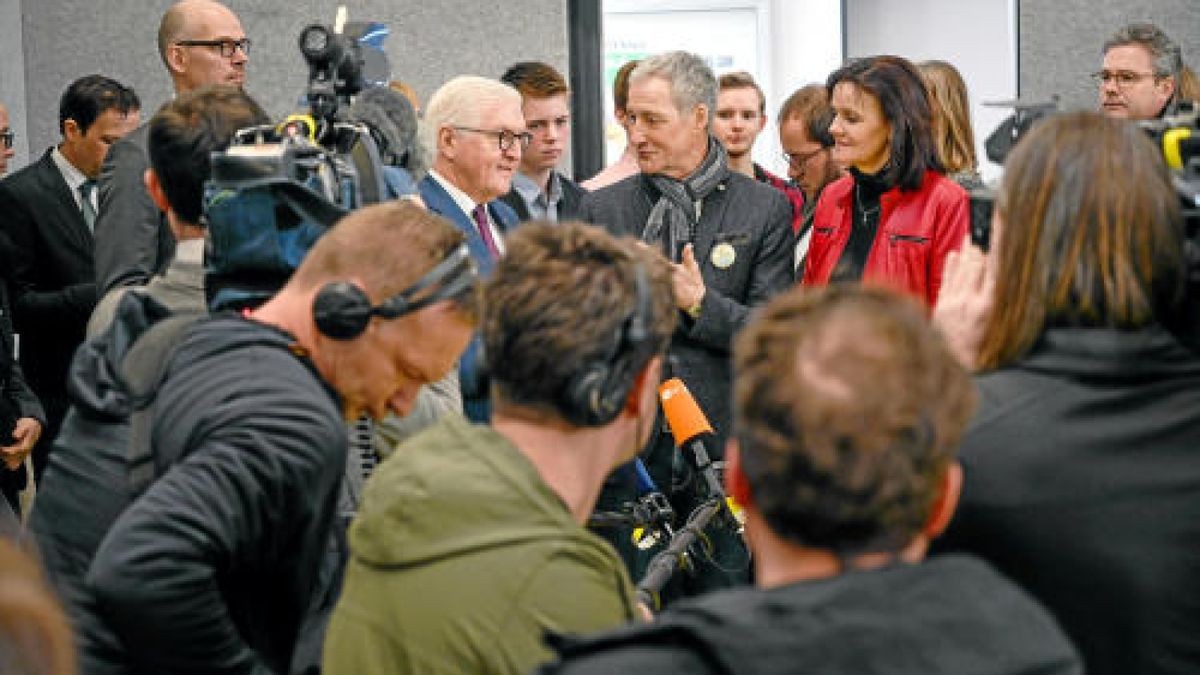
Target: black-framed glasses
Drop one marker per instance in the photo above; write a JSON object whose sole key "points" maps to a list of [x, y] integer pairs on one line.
{"points": [[6, 137], [1122, 78], [504, 137], [227, 47], [799, 159]]}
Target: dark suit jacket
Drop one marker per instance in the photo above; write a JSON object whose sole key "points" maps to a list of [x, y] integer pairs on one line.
{"points": [[51, 276], [471, 378], [133, 240], [568, 208], [753, 218]]}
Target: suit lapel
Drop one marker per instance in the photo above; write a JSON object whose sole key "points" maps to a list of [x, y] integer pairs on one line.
{"points": [[440, 202], [62, 213]]}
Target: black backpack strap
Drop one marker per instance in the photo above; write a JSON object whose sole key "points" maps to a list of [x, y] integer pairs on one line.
{"points": [[142, 371]]}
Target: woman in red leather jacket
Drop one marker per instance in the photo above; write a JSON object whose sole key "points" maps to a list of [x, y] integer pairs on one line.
{"points": [[896, 216]]}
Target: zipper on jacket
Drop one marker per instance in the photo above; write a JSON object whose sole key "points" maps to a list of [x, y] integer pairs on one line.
{"points": [[909, 237]]}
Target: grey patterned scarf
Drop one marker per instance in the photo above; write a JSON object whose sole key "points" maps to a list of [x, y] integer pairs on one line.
{"points": [[672, 221]]}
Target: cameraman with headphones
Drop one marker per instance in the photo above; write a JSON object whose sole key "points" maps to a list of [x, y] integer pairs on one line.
{"points": [[470, 544], [212, 568]]}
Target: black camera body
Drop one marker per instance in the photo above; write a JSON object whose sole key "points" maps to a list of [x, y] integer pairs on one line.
{"points": [[277, 189]]}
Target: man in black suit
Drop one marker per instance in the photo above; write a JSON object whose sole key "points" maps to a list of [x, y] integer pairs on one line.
{"points": [[539, 192], [47, 209], [729, 240], [201, 43]]}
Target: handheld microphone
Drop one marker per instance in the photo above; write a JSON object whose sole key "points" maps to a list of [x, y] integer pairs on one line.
{"points": [[689, 426]]}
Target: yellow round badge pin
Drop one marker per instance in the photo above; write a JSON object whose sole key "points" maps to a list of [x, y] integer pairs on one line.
{"points": [[723, 255]]}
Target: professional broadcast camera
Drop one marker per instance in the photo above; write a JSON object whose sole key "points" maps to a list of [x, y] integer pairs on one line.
{"points": [[1178, 136], [278, 188]]}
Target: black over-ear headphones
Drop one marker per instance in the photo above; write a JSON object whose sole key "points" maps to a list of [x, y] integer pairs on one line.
{"points": [[342, 310], [594, 395]]}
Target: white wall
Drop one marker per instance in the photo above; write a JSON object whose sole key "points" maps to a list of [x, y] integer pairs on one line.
{"points": [[785, 44], [978, 37]]}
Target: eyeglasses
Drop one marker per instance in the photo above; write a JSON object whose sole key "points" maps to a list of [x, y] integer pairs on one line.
{"points": [[1122, 78], [227, 47], [6, 137], [798, 160], [505, 137]]}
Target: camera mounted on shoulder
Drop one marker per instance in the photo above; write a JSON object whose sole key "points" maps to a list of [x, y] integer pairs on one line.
{"points": [[278, 188]]}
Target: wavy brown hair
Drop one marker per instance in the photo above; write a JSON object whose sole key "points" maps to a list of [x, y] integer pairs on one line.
{"points": [[951, 116], [897, 84], [848, 409], [1091, 235]]}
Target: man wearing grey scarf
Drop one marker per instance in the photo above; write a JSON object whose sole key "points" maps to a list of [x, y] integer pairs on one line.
{"points": [[729, 240]]}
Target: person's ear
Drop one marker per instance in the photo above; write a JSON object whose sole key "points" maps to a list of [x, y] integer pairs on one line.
{"points": [[946, 501], [701, 117], [446, 141], [155, 187], [737, 487], [1167, 87], [176, 59], [71, 130]]}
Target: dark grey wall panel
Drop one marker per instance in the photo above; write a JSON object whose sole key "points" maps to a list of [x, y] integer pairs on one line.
{"points": [[430, 42], [1061, 40], [12, 76]]}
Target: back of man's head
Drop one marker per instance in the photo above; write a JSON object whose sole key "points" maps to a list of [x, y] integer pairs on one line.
{"points": [[621, 86], [848, 409], [810, 106], [185, 133], [534, 79], [561, 300], [387, 247], [90, 96]]}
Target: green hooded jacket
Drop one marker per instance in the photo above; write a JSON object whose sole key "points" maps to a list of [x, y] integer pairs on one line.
{"points": [[462, 558]]}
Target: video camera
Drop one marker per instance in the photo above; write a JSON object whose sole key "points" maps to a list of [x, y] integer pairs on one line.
{"points": [[278, 188], [998, 145], [1178, 135]]}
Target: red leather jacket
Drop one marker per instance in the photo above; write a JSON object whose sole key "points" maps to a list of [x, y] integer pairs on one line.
{"points": [[916, 231]]}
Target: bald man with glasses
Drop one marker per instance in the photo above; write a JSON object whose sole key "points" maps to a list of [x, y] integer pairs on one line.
{"points": [[201, 43]]}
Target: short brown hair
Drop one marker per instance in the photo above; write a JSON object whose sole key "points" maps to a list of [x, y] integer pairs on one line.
{"points": [[621, 85], [740, 79], [1092, 235], [952, 132], [186, 131], [534, 79], [810, 105], [556, 300], [388, 246], [848, 407]]}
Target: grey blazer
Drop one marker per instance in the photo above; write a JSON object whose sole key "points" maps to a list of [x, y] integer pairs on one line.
{"points": [[133, 240]]}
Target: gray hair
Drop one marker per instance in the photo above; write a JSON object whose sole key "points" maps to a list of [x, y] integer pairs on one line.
{"points": [[692, 81], [1168, 58], [460, 102]]}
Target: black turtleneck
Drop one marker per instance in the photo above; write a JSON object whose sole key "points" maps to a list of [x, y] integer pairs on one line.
{"points": [[864, 224]]}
